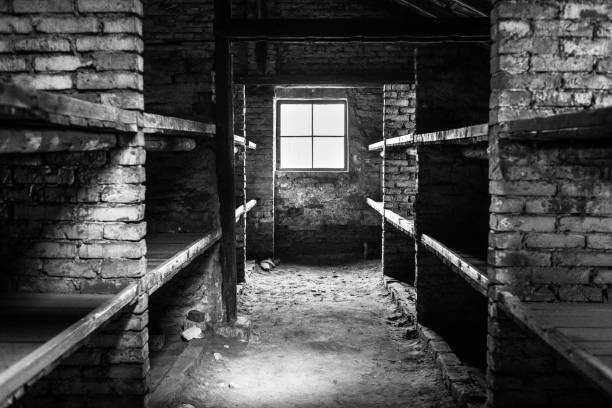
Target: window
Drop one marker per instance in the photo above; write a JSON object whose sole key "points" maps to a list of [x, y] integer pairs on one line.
{"points": [[311, 135]]}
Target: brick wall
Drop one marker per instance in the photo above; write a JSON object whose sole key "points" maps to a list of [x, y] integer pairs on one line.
{"points": [[452, 86], [323, 216], [178, 57], [86, 48], [260, 171], [240, 178], [73, 222], [549, 201], [399, 181]]}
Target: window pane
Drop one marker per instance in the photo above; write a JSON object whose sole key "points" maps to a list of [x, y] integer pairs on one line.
{"points": [[296, 152], [295, 119], [328, 152], [328, 119]]}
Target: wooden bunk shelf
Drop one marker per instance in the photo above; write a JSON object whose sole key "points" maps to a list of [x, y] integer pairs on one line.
{"points": [[23, 106], [581, 332], [162, 143], [583, 125], [169, 253], [241, 141], [243, 209], [465, 135], [158, 124], [470, 268], [401, 223], [40, 329]]}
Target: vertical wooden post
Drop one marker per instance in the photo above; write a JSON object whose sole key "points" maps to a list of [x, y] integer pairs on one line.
{"points": [[225, 158]]}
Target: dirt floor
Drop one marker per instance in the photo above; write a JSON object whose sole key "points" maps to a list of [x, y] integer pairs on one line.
{"points": [[322, 337]]}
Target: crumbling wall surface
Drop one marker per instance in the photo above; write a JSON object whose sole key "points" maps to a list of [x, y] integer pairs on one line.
{"points": [[178, 55], [549, 201], [89, 49], [452, 86], [324, 215], [260, 170]]}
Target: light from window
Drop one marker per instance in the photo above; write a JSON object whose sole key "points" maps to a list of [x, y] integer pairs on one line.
{"points": [[312, 135]]}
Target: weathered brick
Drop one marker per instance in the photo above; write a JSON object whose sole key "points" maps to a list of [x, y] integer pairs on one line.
{"points": [[109, 80], [85, 231], [599, 241], [125, 231], [110, 42], [588, 10], [69, 24], [43, 6], [13, 63], [123, 193], [534, 240], [128, 157], [585, 224], [15, 25], [123, 268], [42, 44], [124, 249], [115, 175], [127, 213], [72, 268], [118, 61], [521, 258], [111, 6], [53, 249], [58, 63], [44, 82], [582, 258], [522, 223], [123, 25]]}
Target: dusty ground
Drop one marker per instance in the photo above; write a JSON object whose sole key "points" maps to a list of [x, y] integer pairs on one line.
{"points": [[322, 337]]}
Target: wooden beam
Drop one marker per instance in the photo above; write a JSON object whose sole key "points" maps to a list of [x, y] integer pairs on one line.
{"points": [[165, 260], [465, 135], [417, 30], [425, 8], [23, 105], [44, 358], [225, 156], [167, 124], [160, 143], [361, 80], [245, 208], [241, 141], [36, 140]]}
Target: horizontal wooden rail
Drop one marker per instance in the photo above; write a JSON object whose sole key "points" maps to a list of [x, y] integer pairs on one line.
{"points": [[578, 331], [465, 135], [163, 143], [241, 141], [170, 253], [401, 223], [45, 357], [34, 140], [471, 269], [583, 125], [169, 125], [243, 209], [28, 106], [420, 30]]}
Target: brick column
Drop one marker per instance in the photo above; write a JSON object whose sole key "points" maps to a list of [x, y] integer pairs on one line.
{"points": [[73, 222], [549, 204], [399, 181], [260, 170]]}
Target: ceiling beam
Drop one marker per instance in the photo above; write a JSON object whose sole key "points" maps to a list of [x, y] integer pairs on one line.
{"points": [[417, 30], [425, 8], [349, 80]]}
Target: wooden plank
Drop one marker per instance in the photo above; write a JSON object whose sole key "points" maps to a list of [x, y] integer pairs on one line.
{"points": [[465, 135], [19, 104], [161, 143], [598, 369], [477, 278], [224, 141], [241, 141], [574, 120], [33, 140], [158, 273], [350, 80], [418, 30], [401, 223], [160, 124], [41, 360], [243, 209]]}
